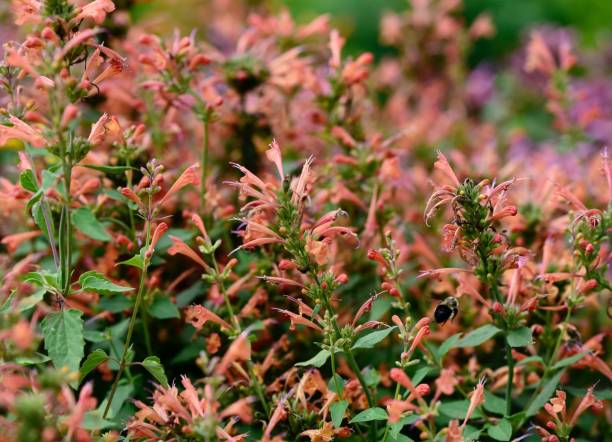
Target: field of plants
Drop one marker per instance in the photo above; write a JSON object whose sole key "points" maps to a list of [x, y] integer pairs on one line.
{"points": [[255, 232]]}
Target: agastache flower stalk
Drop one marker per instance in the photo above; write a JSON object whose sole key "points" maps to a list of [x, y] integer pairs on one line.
{"points": [[148, 209], [305, 246], [477, 207]]}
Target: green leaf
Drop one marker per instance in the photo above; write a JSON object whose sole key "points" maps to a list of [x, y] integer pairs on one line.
{"points": [[520, 337], [96, 282], [28, 181], [108, 169], [457, 409], [49, 179], [7, 305], [39, 218], [396, 427], [371, 376], [336, 382], [371, 414], [32, 202], [85, 221], [570, 360], [135, 261], [93, 421], [154, 366], [36, 358], [123, 393], [63, 335], [115, 304], [471, 434], [371, 339], [337, 411], [94, 336], [44, 279], [494, 404], [317, 360], [94, 359], [163, 308], [530, 359], [501, 431], [420, 374], [478, 336], [30, 301], [448, 344], [399, 438], [544, 395]]}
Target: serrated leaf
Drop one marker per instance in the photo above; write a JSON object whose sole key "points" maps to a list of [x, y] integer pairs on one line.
{"points": [[317, 360], [96, 282], [371, 414], [63, 336], [86, 222], [163, 308], [371, 339], [154, 366], [543, 396], [135, 261], [28, 181], [478, 336], [501, 431], [570, 360], [94, 359], [337, 411], [44, 279], [519, 337]]}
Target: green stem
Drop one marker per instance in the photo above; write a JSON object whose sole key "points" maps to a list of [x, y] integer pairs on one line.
{"points": [[350, 359], [145, 329], [510, 378], [128, 339], [204, 162]]}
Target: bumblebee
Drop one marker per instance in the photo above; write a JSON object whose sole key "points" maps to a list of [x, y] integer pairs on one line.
{"points": [[446, 310]]}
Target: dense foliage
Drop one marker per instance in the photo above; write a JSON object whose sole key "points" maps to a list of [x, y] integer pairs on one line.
{"points": [[249, 235]]}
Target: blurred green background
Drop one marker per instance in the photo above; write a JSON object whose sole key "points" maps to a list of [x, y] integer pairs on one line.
{"points": [[592, 20], [359, 19]]}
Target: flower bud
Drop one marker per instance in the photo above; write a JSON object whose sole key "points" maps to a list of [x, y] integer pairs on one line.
{"points": [[498, 308], [589, 285], [286, 264], [342, 278], [423, 389]]}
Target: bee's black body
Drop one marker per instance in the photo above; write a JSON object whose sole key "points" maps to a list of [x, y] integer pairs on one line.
{"points": [[446, 310]]}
